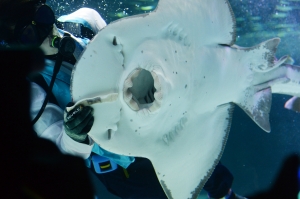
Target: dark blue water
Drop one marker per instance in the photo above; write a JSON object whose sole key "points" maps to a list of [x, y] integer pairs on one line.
{"points": [[257, 20], [252, 155]]}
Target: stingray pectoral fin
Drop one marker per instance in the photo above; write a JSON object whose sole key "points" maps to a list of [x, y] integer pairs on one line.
{"points": [[258, 105], [264, 72], [186, 163]]}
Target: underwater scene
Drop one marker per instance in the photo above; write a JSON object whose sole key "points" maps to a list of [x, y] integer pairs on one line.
{"points": [[253, 156]]}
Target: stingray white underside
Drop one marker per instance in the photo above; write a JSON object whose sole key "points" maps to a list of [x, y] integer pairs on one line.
{"points": [[176, 75]]}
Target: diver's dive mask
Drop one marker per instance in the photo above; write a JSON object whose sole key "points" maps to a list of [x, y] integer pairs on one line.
{"points": [[33, 29]]}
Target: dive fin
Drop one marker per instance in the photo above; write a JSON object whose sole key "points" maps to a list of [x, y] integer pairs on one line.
{"points": [[293, 104]]}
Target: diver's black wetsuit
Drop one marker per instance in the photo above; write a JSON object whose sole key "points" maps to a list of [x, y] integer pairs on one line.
{"points": [[143, 183]]}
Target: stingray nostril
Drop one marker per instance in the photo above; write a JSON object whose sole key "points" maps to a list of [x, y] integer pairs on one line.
{"points": [[115, 43]]}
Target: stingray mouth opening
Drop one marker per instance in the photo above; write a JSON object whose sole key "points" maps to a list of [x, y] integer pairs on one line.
{"points": [[142, 90]]}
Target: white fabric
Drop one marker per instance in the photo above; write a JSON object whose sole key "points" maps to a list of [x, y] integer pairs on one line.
{"points": [[50, 125], [91, 16]]}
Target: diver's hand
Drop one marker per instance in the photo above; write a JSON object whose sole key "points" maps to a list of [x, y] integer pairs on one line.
{"points": [[78, 122]]}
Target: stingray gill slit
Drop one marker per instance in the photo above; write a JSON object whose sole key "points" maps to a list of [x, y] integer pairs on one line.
{"points": [[142, 90]]}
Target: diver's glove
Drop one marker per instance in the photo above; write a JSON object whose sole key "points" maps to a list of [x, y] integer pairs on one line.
{"points": [[78, 122]]}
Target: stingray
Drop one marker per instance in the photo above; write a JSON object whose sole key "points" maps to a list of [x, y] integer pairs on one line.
{"points": [[163, 86]]}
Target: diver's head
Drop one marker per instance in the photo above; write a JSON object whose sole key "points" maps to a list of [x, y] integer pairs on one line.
{"points": [[25, 22]]}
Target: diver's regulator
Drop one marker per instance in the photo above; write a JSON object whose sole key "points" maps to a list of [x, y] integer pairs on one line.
{"points": [[66, 45]]}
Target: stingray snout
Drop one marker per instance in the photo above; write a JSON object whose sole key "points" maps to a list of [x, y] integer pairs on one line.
{"points": [[142, 90]]}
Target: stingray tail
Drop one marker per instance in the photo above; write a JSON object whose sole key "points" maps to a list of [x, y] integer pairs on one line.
{"points": [[258, 98]]}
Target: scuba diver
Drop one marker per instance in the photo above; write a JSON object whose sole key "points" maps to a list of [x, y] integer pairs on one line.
{"points": [[33, 23]]}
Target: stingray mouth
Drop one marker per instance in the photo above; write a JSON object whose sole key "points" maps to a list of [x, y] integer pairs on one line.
{"points": [[142, 90]]}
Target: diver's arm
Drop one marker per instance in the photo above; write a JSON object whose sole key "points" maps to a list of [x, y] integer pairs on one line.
{"points": [[56, 133], [50, 125], [69, 146]]}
